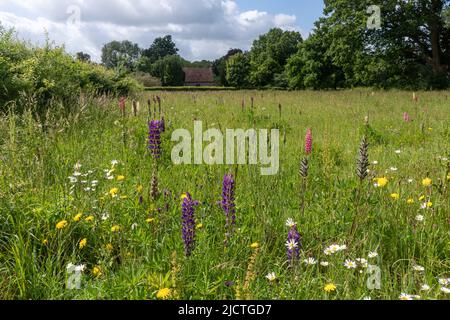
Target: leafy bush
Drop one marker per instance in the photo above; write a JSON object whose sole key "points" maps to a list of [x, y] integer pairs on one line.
{"points": [[38, 78]]}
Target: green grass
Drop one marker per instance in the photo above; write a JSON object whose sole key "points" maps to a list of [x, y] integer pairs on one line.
{"points": [[35, 194]]}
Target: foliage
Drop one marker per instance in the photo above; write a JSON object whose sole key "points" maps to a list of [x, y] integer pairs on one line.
{"points": [[237, 70], [170, 70], [117, 54], [219, 66], [38, 78], [160, 48], [269, 55]]}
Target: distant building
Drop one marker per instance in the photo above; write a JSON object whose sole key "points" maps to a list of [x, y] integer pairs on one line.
{"points": [[198, 77]]}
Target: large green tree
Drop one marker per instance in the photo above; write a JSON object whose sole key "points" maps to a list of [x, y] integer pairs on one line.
{"points": [[219, 66], [269, 55], [410, 49], [238, 68], [169, 70], [311, 67], [160, 48], [117, 54]]}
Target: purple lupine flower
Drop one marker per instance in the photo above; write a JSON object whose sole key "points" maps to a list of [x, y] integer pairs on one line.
{"points": [[188, 217], [154, 138], [309, 142], [163, 125], [228, 203], [293, 243]]}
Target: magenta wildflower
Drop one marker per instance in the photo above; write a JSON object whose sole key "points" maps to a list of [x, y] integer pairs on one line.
{"points": [[406, 117], [309, 141], [228, 204], [154, 138], [188, 224]]}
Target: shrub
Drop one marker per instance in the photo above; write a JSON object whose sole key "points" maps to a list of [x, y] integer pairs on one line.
{"points": [[48, 75]]}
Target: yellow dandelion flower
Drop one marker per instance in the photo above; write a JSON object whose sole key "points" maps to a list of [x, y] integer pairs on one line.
{"points": [[254, 245], [163, 294], [381, 182], [448, 176], [109, 247], [89, 219], [78, 217], [330, 287], [82, 243], [430, 129], [421, 198], [395, 196], [120, 178], [45, 242], [410, 201], [199, 226], [429, 204], [62, 224], [139, 188], [113, 192], [115, 228], [427, 182], [96, 271], [150, 220]]}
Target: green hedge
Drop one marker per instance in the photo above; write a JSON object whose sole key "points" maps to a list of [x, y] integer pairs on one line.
{"points": [[39, 77]]}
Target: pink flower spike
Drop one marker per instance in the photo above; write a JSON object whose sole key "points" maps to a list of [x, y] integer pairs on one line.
{"points": [[308, 145]]}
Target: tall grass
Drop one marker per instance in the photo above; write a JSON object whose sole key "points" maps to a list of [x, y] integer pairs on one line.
{"points": [[137, 261]]}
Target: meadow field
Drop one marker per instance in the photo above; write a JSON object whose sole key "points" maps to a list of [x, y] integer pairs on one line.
{"points": [[86, 211]]}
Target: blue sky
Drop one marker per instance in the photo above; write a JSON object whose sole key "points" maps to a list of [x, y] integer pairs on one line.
{"points": [[202, 29]]}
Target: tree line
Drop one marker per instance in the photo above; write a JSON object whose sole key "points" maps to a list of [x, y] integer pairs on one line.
{"points": [[410, 50]]}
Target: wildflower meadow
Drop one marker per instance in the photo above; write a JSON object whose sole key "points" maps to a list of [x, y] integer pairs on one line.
{"points": [[93, 207]]}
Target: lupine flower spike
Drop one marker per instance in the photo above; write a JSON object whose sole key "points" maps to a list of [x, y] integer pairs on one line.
{"points": [[363, 160], [309, 142], [406, 117], [188, 223], [228, 205], [293, 243], [154, 138]]}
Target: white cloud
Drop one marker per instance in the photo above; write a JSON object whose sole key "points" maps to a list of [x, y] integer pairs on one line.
{"points": [[202, 29]]}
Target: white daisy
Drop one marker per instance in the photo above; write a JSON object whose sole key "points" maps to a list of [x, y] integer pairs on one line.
{"points": [[324, 264], [444, 281], [373, 254], [398, 151], [114, 163], [375, 162], [310, 261], [271, 277], [394, 169], [291, 244], [405, 296], [425, 287], [349, 264], [445, 290], [420, 218], [290, 223]]}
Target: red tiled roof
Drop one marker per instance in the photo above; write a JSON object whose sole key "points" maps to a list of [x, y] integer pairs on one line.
{"points": [[198, 75]]}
